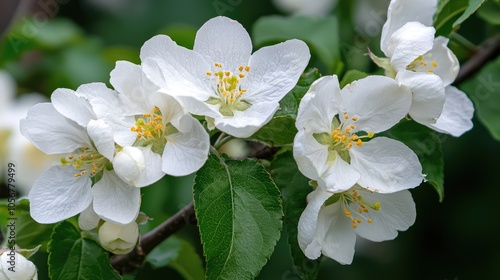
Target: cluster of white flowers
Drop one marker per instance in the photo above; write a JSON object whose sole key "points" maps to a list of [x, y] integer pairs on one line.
{"points": [[362, 180], [112, 142]]}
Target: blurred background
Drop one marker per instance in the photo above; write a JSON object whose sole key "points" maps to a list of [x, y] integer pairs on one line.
{"points": [[47, 44]]}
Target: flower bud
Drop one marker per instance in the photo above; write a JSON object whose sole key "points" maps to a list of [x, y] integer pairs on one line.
{"points": [[129, 164], [118, 239], [14, 266]]}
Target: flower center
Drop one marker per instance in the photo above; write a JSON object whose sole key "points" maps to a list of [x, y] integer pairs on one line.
{"points": [[423, 63], [85, 160], [342, 138], [152, 130], [352, 197], [228, 90]]}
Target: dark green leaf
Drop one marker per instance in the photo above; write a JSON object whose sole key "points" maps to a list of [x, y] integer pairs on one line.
{"points": [[490, 12], [351, 76], [294, 189], [239, 212], [484, 90], [472, 8], [289, 105], [180, 255], [426, 144], [72, 256], [451, 13], [321, 33]]}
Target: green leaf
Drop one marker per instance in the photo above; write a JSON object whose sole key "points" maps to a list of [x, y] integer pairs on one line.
{"points": [[351, 76], [281, 129], [72, 256], [321, 33], [294, 189], [426, 144], [490, 12], [239, 212], [29, 233], [472, 8], [484, 90], [451, 13], [180, 255]]}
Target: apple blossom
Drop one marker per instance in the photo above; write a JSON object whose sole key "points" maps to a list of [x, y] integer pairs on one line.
{"points": [[118, 239], [221, 79], [335, 145]]}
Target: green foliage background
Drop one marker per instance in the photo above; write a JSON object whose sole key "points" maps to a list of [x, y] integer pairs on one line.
{"points": [[454, 239]]}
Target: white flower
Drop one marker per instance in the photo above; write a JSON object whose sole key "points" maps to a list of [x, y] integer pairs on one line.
{"points": [[118, 239], [29, 161], [306, 7], [334, 145], [69, 127], [330, 222], [424, 63], [170, 139], [221, 79], [14, 266]]}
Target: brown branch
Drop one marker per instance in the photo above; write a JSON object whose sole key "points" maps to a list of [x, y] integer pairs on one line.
{"points": [[489, 51], [130, 262]]}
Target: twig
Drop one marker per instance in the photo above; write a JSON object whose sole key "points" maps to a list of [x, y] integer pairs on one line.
{"points": [[130, 262], [489, 51]]}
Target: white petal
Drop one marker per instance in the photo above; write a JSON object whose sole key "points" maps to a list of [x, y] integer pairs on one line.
{"points": [[336, 234], [319, 105], [245, 123], [402, 11], [185, 153], [457, 114], [275, 70], [377, 101], [386, 165], [397, 213], [102, 136], [428, 95], [136, 90], [88, 219], [51, 132], [308, 223], [408, 43], [16, 267], [447, 63], [57, 195], [114, 200], [179, 71], [72, 106], [153, 171], [340, 176], [172, 111], [310, 155], [224, 41]]}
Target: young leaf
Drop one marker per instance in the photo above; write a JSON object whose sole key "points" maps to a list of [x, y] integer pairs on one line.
{"points": [[294, 189], [426, 144], [451, 13], [180, 255], [321, 33], [352, 75], [239, 212], [484, 90], [472, 8], [72, 256]]}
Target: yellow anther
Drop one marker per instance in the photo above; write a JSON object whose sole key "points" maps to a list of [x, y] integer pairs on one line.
{"points": [[156, 109], [227, 73], [430, 70], [359, 143], [147, 133], [362, 205], [78, 175], [231, 99], [359, 221], [159, 126], [147, 115], [354, 118], [354, 137], [352, 126], [240, 68], [84, 148], [349, 145], [366, 210], [247, 68], [70, 157], [423, 63], [370, 221], [158, 118], [208, 73], [354, 193], [241, 75], [348, 130], [360, 210], [218, 65], [346, 116], [344, 137], [347, 213], [354, 225], [434, 64], [84, 172]]}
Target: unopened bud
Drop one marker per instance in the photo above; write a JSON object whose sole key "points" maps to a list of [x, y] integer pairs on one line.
{"points": [[14, 266], [129, 164], [118, 239]]}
